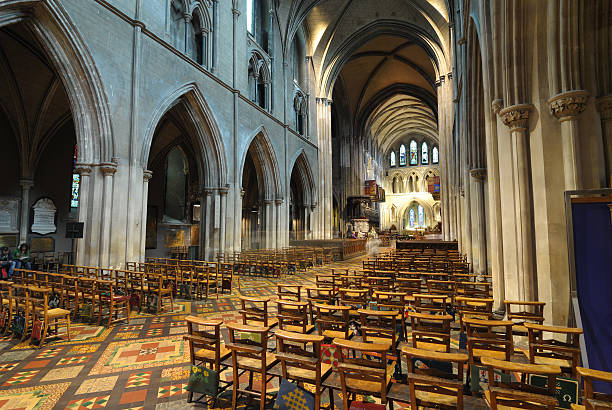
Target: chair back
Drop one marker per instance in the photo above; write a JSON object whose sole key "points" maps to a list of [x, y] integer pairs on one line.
{"points": [[430, 332], [204, 337], [591, 399]]}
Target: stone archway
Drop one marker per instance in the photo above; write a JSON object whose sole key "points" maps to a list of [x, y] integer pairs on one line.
{"points": [[301, 198]]}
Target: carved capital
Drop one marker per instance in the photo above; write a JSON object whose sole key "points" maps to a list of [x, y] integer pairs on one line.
{"points": [[604, 106], [278, 201], [268, 201], [83, 169], [568, 105], [496, 105], [26, 184], [236, 13], [516, 117], [108, 168], [208, 191], [223, 190], [478, 174], [187, 17], [146, 175]]}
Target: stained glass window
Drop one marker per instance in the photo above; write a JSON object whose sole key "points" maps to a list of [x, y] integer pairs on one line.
{"points": [[249, 16], [434, 155], [414, 154], [421, 216], [411, 217], [402, 158], [424, 154], [76, 182], [392, 158]]}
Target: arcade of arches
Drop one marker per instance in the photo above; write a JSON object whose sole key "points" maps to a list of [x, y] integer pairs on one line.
{"points": [[221, 126]]}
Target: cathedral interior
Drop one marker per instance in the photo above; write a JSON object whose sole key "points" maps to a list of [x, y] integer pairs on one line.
{"points": [[240, 187]]}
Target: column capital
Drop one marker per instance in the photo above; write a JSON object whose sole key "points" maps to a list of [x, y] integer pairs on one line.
{"points": [[516, 117], [187, 17], [26, 183], [478, 174], [268, 201], [496, 105], [236, 12], [278, 201], [108, 168], [313, 206], [146, 175], [208, 191], [604, 106], [83, 169], [568, 105], [223, 190]]}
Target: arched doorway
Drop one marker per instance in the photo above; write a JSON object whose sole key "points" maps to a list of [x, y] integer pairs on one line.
{"points": [[174, 209], [415, 217], [262, 198], [300, 200]]}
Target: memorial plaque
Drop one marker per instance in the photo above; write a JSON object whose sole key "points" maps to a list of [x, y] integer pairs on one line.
{"points": [[9, 215], [175, 238], [8, 240], [44, 216], [42, 245]]}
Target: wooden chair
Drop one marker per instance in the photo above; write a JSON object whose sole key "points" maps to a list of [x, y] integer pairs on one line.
{"points": [[355, 299], [592, 400], [56, 317], [300, 358], [289, 292], [519, 395], [333, 321], [433, 388], [566, 355], [430, 332], [154, 286], [86, 287], [530, 312], [206, 348], [113, 296], [226, 276], [475, 308], [489, 338], [293, 316], [393, 301], [380, 327], [319, 295], [432, 304], [248, 345], [364, 373], [254, 312], [6, 304], [20, 297]]}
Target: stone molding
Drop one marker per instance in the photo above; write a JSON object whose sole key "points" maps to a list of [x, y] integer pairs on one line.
{"points": [[478, 174], [516, 117], [146, 175], [278, 201], [108, 168], [604, 106], [568, 105], [223, 191], [268, 201], [83, 169], [496, 105], [26, 183]]}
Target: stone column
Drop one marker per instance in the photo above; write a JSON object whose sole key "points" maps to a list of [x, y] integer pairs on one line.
{"points": [[187, 18], [223, 219], [268, 223], [146, 176], [26, 185], [516, 118], [312, 209], [208, 221], [566, 107], [204, 33], [84, 171], [108, 171], [215, 29], [604, 106], [479, 240], [280, 234]]}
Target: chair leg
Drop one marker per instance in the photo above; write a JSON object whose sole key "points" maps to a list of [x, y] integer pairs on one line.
{"points": [[43, 333], [68, 326], [264, 382]]}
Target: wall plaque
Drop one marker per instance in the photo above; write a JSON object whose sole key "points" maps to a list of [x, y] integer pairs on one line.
{"points": [[8, 240], [44, 216], [9, 215], [42, 245]]}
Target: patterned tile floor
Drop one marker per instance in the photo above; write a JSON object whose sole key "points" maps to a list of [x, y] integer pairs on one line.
{"points": [[143, 365]]}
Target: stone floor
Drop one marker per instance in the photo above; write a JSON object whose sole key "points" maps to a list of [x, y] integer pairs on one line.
{"points": [[142, 365]]}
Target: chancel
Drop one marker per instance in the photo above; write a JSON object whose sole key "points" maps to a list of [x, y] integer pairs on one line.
{"points": [[305, 204]]}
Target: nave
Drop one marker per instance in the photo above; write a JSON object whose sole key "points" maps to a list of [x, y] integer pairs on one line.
{"points": [[424, 306]]}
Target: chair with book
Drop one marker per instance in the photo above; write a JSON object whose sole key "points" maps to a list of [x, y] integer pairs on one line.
{"points": [[591, 399], [562, 351]]}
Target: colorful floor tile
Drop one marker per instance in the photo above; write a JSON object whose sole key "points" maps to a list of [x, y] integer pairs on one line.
{"points": [[89, 403], [73, 360], [134, 396], [5, 367], [172, 390], [138, 354], [138, 380], [35, 364], [83, 349], [97, 385], [154, 332], [127, 335], [52, 352], [62, 373], [21, 378], [175, 373], [36, 397]]}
